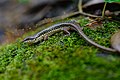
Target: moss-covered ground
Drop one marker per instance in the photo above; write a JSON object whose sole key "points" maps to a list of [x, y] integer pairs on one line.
{"points": [[62, 57]]}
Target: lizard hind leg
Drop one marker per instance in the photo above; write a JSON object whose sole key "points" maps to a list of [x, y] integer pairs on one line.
{"points": [[65, 29]]}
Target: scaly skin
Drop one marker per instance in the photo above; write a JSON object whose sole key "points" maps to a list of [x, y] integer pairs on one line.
{"points": [[65, 26]]}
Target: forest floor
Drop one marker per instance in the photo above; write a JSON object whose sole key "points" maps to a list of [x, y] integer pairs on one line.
{"points": [[62, 57]]}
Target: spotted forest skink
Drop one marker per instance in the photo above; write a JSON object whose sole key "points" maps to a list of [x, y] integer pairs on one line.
{"points": [[64, 26]]}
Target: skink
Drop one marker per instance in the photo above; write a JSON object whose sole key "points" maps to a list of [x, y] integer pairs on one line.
{"points": [[64, 26]]}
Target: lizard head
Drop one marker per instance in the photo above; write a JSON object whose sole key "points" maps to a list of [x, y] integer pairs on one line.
{"points": [[29, 40]]}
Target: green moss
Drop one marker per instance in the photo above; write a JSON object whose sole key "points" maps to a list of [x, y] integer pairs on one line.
{"points": [[62, 57]]}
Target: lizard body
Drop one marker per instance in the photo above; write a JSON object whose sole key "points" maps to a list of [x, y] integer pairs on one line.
{"points": [[65, 26]]}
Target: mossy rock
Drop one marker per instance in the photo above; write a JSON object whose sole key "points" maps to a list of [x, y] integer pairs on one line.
{"points": [[62, 57]]}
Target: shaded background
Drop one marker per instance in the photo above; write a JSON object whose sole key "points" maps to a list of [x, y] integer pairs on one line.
{"points": [[17, 15]]}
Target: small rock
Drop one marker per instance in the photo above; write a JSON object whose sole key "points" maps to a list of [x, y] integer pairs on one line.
{"points": [[115, 41]]}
